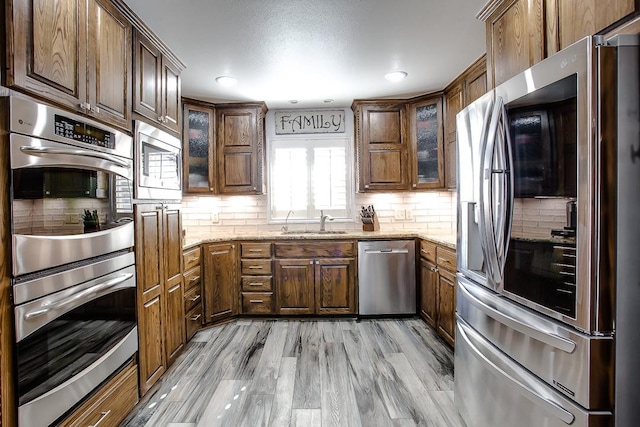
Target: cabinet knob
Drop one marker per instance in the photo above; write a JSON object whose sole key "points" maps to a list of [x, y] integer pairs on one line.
{"points": [[161, 119], [95, 109], [415, 185], [85, 106]]}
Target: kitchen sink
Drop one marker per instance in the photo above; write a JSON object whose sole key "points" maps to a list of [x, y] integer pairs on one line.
{"points": [[293, 232]]}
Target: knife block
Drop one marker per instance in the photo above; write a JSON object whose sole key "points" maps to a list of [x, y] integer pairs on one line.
{"points": [[373, 226]]}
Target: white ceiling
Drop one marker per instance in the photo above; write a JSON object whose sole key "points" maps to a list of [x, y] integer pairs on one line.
{"points": [[312, 50]]}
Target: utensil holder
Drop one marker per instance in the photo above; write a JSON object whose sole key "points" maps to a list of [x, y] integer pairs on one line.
{"points": [[373, 226]]}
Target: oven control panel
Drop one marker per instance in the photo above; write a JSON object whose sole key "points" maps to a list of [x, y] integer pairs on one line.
{"points": [[83, 132]]}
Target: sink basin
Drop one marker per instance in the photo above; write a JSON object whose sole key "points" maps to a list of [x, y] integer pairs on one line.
{"points": [[294, 232]]}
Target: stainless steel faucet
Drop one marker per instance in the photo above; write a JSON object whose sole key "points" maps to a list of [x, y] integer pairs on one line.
{"points": [[285, 227], [323, 219]]}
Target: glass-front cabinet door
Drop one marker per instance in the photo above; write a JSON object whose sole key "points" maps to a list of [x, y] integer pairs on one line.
{"points": [[426, 135], [198, 150]]}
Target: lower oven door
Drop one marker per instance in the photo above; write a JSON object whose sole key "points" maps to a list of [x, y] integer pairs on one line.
{"points": [[493, 390], [70, 342]]}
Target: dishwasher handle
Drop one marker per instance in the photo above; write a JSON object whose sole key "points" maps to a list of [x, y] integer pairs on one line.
{"points": [[386, 251]]}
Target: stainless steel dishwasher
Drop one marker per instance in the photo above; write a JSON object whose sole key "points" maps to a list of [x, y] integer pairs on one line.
{"points": [[387, 277]]}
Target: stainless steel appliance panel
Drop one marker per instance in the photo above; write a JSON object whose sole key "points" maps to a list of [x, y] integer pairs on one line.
{"points": [[158, 164], [472, 127], [628, 233], [33, 315], [34, 119], [44, 410], [556, 353], [38, 287], [29, 152], [387, 277], [493, 390], [34, 253]]}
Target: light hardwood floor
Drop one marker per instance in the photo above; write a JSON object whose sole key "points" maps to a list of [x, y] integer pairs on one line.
{"points": [[390, 372]]}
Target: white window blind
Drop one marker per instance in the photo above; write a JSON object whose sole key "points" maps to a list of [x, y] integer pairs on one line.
{"points": [[309, 175]]}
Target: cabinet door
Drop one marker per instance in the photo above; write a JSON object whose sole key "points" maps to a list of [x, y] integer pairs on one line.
{"points": [[446, 305], [174, 324], [453, 104], [198, 150], [428, 291], [171, 96], [147, 72], [580, 18], [220, 287], [335, 286], [237, 150], [515, 39], [382, 149], [294, 286], [109, 55], [149, 268], [427, 151], [47, 53]]}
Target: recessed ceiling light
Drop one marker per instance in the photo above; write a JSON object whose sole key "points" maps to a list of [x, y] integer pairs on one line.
{"points": [[226, 80], [293, 101], [328, 101], [395, 76]]}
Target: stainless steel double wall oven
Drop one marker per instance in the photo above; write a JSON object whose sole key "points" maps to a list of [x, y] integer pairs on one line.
{"points": [[73, 265]]}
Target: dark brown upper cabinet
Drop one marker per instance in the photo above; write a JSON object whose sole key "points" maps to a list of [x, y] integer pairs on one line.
{"points": [[382, 149], [74, 53], [426, 137]]}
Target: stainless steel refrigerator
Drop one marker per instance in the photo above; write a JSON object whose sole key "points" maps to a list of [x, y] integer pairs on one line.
{"points": [[548, 288]]}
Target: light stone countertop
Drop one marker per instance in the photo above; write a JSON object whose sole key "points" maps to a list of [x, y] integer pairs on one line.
{"points": [[448, 240]]}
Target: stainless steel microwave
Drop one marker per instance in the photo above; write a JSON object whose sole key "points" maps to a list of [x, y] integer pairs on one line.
{"points": [[158, 160]]}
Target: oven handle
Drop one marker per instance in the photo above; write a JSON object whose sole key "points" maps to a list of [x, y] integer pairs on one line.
{"points": [[53, 305], [35, 151]]}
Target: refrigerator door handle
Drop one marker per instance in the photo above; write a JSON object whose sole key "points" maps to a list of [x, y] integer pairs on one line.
{"points": [[522, 326], [486, 224], [551, 407]]}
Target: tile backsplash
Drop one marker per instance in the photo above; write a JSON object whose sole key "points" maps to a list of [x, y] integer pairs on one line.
{"points": [[430, 211]]}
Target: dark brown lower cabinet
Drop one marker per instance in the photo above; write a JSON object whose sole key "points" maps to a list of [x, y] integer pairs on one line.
{"points": [[446, 305], [294, 280], [220, 285], [428, 291], [335, 286]]}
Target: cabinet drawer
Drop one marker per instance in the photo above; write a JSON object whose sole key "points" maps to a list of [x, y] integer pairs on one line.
{"points": [[193, 321], [191, 258], [446, 258], [257, 284], [110, 405], [255, 250], [315, 249], [257, 303], [428, 250], [192, 298], [192, 278], [258, 267]]}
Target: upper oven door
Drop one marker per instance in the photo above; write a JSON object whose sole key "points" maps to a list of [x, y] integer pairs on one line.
{"points": [[69, 203], [158, 164]]}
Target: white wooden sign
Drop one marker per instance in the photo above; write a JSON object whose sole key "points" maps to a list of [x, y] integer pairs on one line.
{"points": [[309, 121]]}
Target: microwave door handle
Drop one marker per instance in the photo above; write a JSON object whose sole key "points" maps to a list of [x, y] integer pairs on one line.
{"points": [[36, 151], [486, 198], [56, 304], [551, 407]]}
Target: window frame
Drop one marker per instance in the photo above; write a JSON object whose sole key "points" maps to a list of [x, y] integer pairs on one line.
{"points": [[310, 141]]}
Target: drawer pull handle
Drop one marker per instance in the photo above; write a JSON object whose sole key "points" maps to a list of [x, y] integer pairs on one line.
{"points": [[255, 284], [256, 301], [255, 267], [194, 279], [196, 317], [194, 299], [255, 250], [102, 417]]}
